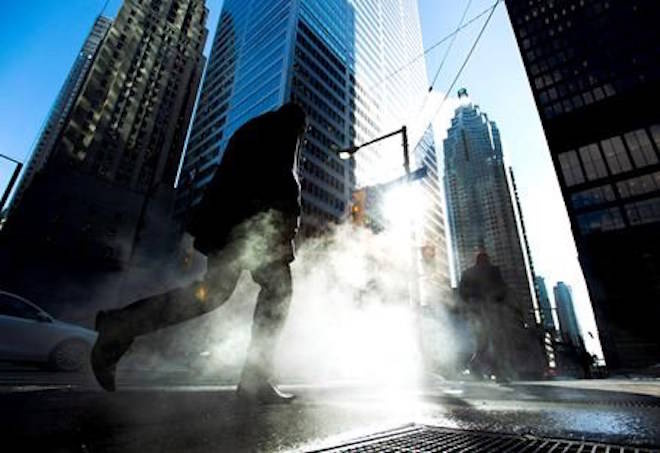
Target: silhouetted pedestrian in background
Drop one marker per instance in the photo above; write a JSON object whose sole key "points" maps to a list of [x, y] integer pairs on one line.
{"points": [[494, 319], [247, 220]]}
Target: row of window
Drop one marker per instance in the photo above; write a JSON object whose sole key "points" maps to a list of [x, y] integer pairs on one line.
{"points": [[640, 185], [322, 175], [588, 163], [322, 122], [331, 77], [324, 156], [321, 194], [303, 74], [638, 213], [312, 210], [321, 46]]}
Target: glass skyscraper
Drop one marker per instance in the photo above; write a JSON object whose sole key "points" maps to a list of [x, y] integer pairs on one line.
{"points": [[336, 58], [544, 304], [479, 202], [568, 325]]}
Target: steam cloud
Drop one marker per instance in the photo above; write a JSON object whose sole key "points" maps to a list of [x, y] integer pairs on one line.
{"points": [[350, 318]]}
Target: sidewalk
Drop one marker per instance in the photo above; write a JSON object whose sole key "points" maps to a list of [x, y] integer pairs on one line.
{"points": [[212, 419]]}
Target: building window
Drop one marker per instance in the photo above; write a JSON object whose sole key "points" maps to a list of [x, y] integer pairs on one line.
{"points": [[639, 185], [604, 220], [647, 211], [641, 149], [655, 133], [592, 197], [594, 166], [570, 168], [616, 156]]}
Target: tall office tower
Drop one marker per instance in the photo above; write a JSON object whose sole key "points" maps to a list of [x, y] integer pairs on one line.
{"points": [[595, 74], [60, 110], [479, 205], [568, 326], [118, 151], [335, 58], [331, 57], [544, 304], [103, 199]]}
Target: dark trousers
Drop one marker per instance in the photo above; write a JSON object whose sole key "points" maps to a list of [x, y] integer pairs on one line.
{"points": [[224, 270]]}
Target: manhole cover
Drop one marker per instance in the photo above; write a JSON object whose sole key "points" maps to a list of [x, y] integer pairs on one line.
{"points": [[420, 438]]}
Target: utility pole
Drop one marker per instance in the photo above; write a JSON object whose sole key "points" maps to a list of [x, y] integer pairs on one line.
{"points": [[12, 180]]}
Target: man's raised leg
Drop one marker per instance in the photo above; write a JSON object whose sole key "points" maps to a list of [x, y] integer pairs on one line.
{"points": [[118, 328]]}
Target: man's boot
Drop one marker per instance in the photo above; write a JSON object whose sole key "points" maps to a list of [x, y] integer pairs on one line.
{"points": [[110, 346], [256, 387]]}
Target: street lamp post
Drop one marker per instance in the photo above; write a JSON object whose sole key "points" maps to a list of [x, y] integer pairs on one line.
{"points": [[345, 154], [12, 180]]}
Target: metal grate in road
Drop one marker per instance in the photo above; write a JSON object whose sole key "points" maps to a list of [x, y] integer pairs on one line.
{"points": [[420, 438]]}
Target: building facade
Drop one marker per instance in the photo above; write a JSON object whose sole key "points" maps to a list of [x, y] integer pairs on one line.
{"points": [[334, 58], [568, 325], [60, 110], [479, 202], [121, 142], [545, 308], [105, 193], [594, 71]]}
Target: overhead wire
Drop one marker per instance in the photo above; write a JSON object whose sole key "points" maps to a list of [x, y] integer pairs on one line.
{"points": [[451, 44], [442, 62], [434, 46], [467, 58]]}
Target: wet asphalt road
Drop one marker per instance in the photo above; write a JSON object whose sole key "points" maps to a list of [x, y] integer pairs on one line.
{"points": [[67, 413]]}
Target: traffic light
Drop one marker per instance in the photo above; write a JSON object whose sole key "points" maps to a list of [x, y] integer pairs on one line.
{"points": [[428, 253], [358, 207], [429, 265]]}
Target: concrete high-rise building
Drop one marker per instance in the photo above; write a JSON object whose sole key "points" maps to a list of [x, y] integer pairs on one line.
{"points": [[545, 308], [594, 70], [105, 193], [335, 58], [479, 202], [568, 325], [120, 144], [59, 112]]}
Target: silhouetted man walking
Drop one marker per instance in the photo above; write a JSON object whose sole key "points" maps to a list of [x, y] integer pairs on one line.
{"points": [[247, 220], [493, 317]]}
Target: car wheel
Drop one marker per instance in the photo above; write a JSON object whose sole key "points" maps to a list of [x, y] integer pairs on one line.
{"points": [[70, 355]]}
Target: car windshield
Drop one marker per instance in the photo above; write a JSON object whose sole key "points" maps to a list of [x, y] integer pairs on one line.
{"points": [[11, 306]]}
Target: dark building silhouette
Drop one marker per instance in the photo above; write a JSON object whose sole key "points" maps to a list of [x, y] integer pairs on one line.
{"points": [[105, 190], [594, 69], [60, 110]]}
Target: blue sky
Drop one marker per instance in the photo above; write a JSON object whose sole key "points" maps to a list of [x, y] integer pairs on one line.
{"points": [[39, 40]]}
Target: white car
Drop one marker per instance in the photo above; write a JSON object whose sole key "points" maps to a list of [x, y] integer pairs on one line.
{"points": [[29, 334]]}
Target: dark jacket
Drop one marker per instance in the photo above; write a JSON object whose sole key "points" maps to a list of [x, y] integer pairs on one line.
{"points": [[256, 175], [482, 282]]}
